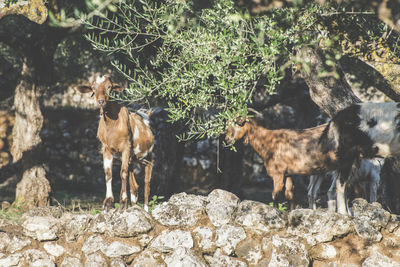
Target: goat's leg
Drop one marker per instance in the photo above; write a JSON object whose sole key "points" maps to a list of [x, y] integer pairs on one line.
{"points": [[332, 193], [278, 186], [108, 163], [148, 169], [123, 197], [134, 188], [289, 187]]}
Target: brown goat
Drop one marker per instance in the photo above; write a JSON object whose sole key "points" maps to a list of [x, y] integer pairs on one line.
{"points": [[121, 133], [286, 152]]}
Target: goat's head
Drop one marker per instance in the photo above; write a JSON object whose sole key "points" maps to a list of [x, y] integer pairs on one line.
{"points": [[100, 89], [236, 130]]}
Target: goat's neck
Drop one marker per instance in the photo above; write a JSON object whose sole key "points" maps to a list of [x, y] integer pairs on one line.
{"points": [[110, 112], [253, 136]]}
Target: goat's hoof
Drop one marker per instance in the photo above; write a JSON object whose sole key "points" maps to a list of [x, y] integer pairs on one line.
{"points": [[107, 203], [123, 205]]}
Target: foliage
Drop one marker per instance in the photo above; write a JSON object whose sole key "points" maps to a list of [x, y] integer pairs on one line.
{"points": [[281, 206], [205, 61], [13, 213], [155, 200]]}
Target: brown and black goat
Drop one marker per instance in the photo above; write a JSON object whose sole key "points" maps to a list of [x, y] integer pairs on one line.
{"points": [[287, 152], [124, 135]]}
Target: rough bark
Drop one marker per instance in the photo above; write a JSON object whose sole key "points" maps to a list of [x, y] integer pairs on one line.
{"points": [[33, 189], [330, 94]]}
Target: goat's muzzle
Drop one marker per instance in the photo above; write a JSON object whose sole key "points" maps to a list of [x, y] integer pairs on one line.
{"points": [[101, 102]]}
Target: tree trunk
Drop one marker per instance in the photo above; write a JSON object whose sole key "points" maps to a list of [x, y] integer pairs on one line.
{"points": [[330, 94], [33, 189]]}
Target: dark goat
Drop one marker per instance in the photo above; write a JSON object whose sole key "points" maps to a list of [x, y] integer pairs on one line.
{"points": [[287, 152], [122, 134], [364, 130]]}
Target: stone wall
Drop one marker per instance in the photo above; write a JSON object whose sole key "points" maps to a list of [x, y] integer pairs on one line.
{"points": [[213, 230]]}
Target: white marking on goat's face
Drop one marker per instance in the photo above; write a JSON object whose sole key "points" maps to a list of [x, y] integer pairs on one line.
{"points": [[100, 79], [136, 133], [379, 121], [109, 192], [100, 89]]}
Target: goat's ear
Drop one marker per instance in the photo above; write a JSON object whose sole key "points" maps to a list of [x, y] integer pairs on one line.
{"points": [[117, 88], [84, 88]]}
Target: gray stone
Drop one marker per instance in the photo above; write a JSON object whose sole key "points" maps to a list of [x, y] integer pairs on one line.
{"points": [[127, 223], [54, 249], [204, 239], [394, 222], [41, 228], [183, 257], [117, 263], [317, 226], [75, 224], [379, 260], [259, 216], [148, 259], [4, 241], [325, 252], [18, 243], [221, 206], [37, 257], [288, 252], [228, 236], [369, 219], [182, 210], [71, 262], [118, 249], [93, 244], [12, 260], [250, 250], [95, 260], [168, 241], [218, 259]]}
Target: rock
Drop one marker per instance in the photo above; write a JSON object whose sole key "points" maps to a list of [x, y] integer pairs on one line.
{"points": [[127, 223], [218, 259], [182, 210], [369, 219], [317, 226], [168, 241], [54, 249], [228, 236], [95, 260], [50, 211], [71, 262], [393, 223], [117, 263], [183, 257], [118, 249], [4, 241], [41, 228], [145, 239], [379, 260], [204, 239], [259, 216], [250, 250], [148, 259], [75, 224], [12, 260], [37, 258], [93, 244], [221, 206], [288, 252], [18, 243], [324, 251]]}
